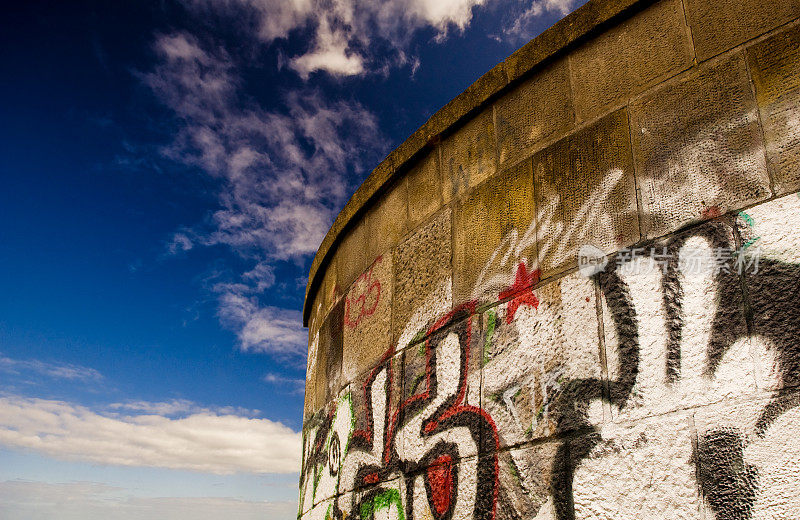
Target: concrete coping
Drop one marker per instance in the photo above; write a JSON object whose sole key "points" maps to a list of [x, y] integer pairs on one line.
{"points": [[591, 19]]}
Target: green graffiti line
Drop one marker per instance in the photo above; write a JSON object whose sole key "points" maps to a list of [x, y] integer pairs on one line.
{"points": [[383, 502], [416, 383], [750, 223], [490, 327], [512, 466], [418, 337]]}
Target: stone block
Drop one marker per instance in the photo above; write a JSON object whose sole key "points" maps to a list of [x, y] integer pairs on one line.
{"points": [[375, 398], [528, 480], [330, 289], [368, 318], [326, 296], [351, 255], [320, 511], [424, 189], [674, 324], [640, 52], [330, 446], [698, 147], [441, 393], [316, 314], [458, 490], [775, 68], [542, 361], [387, 221], [330, 355], [325, 441], [492, 219], [468, 156], [747, 458], [719, 25], [773, 229], [538, 109], [309, 397], [585, 193], [310, 401], [771, 265], [635, 470], [422, 278]]}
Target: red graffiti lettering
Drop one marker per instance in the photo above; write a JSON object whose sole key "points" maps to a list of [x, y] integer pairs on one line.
{"points": [[440, 478], [362, 301]]}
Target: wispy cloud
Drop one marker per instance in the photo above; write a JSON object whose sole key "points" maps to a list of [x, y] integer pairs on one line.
{"points": [[204, 441], [178, 407], [344, 32], [263, 329], [289, 384], [526, 26], [66, 371], [283, 174], [27, 500]]}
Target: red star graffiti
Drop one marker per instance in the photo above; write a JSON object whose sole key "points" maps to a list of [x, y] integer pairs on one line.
{"points": [[521, 290]]}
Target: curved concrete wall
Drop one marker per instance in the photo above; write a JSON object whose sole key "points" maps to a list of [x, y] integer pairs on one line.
{"points": [[573, 293]]}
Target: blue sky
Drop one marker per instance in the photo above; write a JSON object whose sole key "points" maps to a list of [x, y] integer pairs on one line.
{"points": [[169, 169]]}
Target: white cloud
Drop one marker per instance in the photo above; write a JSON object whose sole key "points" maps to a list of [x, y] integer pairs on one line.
{"points": [[66, 371], [442, 13], [525, 25], [263, 329], [180, 242], [284, 173], [271, 19], [29, 500], [330, 53], [204, 441], [294, 385], [179, 407], [344, 31]]}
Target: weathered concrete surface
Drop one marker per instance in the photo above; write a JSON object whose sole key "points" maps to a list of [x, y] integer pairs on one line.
{"points": [[368, 318], [531, 352], [424, 190], [640, 52], [585, 193], [481, 223], [718, 25], [461, 367], [775, 66], [571, 30], [698, 147], [469, 156], [352, 255], [329, 355], [537, 110], [421, 268], [387, 222]]}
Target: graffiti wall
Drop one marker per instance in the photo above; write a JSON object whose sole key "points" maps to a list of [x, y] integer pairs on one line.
{"points": [[596, 317]]}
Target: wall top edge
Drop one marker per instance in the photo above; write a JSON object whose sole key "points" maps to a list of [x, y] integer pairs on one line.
{"points": [[589, 20]]}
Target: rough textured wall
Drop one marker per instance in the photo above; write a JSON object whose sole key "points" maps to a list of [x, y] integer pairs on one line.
{"points": [[583, 301]]}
